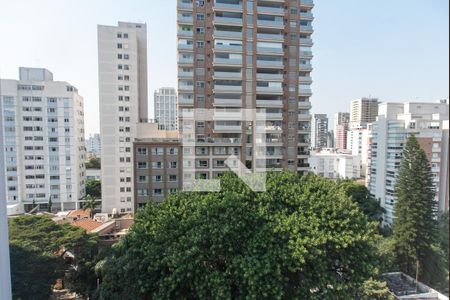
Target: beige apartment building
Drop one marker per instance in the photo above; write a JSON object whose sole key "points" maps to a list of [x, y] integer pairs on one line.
{"points": [[237, 55]]}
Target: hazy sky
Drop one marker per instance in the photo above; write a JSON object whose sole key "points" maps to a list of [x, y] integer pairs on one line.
{"points": [[396, 50]]}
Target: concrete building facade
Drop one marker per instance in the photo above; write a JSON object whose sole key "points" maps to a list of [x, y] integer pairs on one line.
{"points": [[363, 111], [341, 125], [44, 145], [335, 165], [358, 144], [166, 111], [93, 146], [388, 136], [241, 54], [122, 55], [319, 131]]}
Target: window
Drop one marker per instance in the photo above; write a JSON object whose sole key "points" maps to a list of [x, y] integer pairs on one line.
{"points": [[173, 178], [119, 46], [172, 151], [157, 178], [157, 192], [142, 151]]}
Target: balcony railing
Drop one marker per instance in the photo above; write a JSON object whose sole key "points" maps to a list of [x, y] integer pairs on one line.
{"points": [[306, 28], [233, 48], [269, 103], [228, 75], [185, 33], [187, 6], [263, 76], [228, 88], [271, 24], [306, 42], [185, 20], [271, 10], [270, 50], [185, 74], [227, 21], [306, 67], [228, 34], [226, 7], [306, 16], [269, 90], [228, 102], [270, 64], [271, 37], [227, 61]]}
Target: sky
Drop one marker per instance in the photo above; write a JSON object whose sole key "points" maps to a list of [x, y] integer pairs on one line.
{"points": [[394, 50]]}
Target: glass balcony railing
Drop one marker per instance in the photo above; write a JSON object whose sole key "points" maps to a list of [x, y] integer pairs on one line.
{"points": [[271, 10], [269, 103], [269, 90], [271, 24], [228, 48], [306, 28], [262, 76], [306, 16], [269, 63], [227, 61], [228, 88], [227, 34], [226, 75], [226, 7], [272, 37], [227, 21], [228, 102], [306, 42]]}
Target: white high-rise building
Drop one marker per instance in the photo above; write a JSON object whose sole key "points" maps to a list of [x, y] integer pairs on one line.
{"points": [[44, 146], [166, 112], [363, 111], [122, 57], [335, 165], [358, 144], [388, 136], [93, 146]]}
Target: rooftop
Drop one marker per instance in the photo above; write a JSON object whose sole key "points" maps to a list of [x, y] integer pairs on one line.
{"points": [[405, 287]]}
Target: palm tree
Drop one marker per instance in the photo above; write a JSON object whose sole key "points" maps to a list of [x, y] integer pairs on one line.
{"points": [[90, 203]]}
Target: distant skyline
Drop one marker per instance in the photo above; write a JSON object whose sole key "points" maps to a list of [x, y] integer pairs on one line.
{"points": [[392, 50]]}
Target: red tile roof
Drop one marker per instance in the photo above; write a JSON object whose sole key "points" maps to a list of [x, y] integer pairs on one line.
{"points": [[87, 225]]}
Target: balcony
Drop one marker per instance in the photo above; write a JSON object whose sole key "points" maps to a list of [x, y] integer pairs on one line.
{"points": [[307, 3], [305, 79], [274, 64], [306, 67], [269, 77], [306, 54], [227, 21], [185, 20], [307, 16], [306, 42], [270, 37], [186, 61], [185, 6], [270, 10], [227, 89], [269, 103], [227, 7], [227, 62], [227, 102], [269, 90], [271, 24], [228, 141], [182, 74], [185, 47], [228, 128], [227, 75], [269, 50], [305, 92], [274, 116], [306, 29], [304, 117], [186, 88], [228, 48], [304, 105], [186, 101], [228, 34], [232, 115], [185, 33]]}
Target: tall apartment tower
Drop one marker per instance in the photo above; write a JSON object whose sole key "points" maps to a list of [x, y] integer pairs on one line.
{"points": [[166, 111], [93, 146], [122, 58], [363, 111], [44, 146], [341, 125], [388, 135], [319, 131], [242, 54]]}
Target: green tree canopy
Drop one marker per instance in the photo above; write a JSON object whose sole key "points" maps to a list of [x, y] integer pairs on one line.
{"points": [[301, 239], [415, 218], [367, 203], [94, 163], [94, 188], [36, 243]]}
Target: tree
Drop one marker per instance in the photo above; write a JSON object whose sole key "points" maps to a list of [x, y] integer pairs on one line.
{"points": [[37, 247], [94, 188], [375, 290], [415, 218], [94, 163], [360, 195], [32, 272], [301, 239], [90, 203]]}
